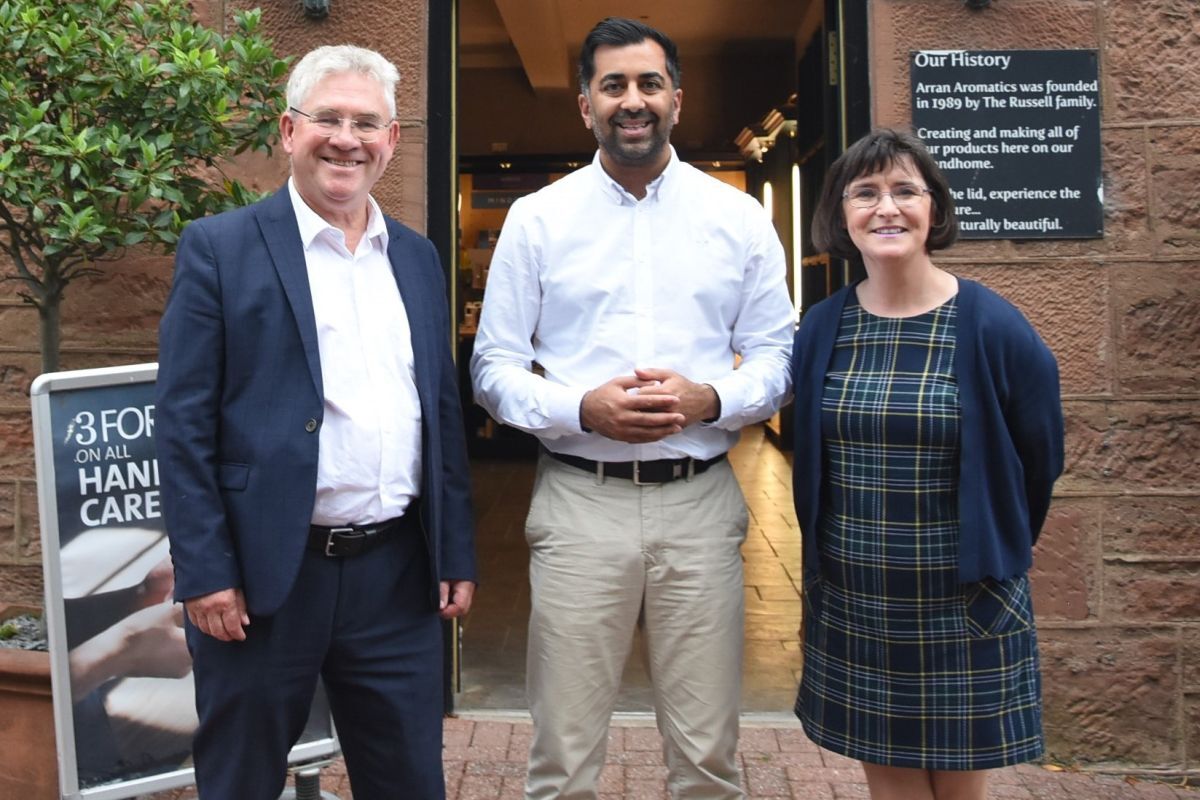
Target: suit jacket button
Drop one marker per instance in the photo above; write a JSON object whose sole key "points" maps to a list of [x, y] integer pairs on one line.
{"points": [[310, 426]]}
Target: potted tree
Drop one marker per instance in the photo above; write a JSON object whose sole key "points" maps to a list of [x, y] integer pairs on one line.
{"points": [[118, 118]]}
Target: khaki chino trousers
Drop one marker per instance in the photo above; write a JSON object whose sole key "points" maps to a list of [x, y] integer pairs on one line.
{"points": [[606, 557]]}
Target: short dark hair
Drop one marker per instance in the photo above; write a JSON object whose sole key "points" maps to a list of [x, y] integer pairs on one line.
{"points": [[876, 152], [619, 32]]}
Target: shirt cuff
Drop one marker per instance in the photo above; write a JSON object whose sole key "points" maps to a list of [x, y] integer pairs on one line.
{"points": [[730, 396], [562, 406]]}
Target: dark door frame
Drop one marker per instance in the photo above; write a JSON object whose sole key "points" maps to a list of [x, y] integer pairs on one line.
{"points": [[441, 149], [847, 106], [441, 219]]}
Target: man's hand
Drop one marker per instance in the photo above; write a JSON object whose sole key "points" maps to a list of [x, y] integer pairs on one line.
{"points": [[697, 401], [455, 598], [612, 410], [221, 615]]}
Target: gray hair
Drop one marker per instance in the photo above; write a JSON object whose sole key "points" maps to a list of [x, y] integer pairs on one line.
{"points": [[322, 62]]}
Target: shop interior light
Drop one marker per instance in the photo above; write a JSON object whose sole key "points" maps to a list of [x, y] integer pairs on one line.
{"points": [[797, 240]]}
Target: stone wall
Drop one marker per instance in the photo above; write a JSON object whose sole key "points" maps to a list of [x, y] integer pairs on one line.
{"points": [[1117, 572], [113, 320]]}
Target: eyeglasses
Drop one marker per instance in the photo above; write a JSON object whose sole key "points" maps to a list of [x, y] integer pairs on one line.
{"points": [[869, 196], [365, 129]]}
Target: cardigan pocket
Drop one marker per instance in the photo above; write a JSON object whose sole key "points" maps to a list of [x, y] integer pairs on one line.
{"points": [[995, 608], [812, 595]]}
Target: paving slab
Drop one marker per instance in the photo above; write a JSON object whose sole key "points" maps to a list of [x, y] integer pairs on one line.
{"points": [[485, 760]]}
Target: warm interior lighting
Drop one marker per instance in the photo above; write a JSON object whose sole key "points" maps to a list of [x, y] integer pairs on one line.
{"points": [[797, 240], [768, 200]]}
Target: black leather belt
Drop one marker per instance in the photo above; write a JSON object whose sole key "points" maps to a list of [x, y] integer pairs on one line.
{"points": [[351, 540], [642, 473]]}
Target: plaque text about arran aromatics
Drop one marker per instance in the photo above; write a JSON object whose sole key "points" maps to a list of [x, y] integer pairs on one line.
{"points": [[1017, 133]]}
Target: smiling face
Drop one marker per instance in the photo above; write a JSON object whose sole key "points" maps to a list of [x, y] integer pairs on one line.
{"points": [[889, 233], [631, 106], [334, 174]]}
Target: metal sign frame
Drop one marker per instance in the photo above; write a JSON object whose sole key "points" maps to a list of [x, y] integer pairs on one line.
{"points": [[52, 396]]}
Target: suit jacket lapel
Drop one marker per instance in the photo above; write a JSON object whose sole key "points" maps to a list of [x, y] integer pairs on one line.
{"points": [[277, 221], [416, 305]]}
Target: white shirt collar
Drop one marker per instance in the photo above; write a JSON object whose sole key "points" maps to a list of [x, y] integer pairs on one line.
{"points": [[312, 224], [618, 192]]}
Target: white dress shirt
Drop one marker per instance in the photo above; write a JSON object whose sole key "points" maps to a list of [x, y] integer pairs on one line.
{"points": [[369, 461], [591, 283]]}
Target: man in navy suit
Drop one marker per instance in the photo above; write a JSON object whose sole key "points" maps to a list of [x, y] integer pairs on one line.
{"points": [[314, 474]]}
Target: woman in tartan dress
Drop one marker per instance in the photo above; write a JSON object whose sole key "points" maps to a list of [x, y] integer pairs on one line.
{"points": [[928, 437]]}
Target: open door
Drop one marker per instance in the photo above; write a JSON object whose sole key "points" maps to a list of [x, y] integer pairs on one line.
{"points": [[820, 69]]}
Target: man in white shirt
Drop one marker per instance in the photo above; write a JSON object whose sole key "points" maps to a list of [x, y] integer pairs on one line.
{"points": [[314, 474], [634, 283]]}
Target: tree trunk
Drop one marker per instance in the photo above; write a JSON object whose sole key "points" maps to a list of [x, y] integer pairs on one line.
{"points": [[48, 314]]}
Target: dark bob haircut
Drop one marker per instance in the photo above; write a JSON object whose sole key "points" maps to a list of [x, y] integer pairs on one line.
{"points": [[876, 152], [620, 32]]}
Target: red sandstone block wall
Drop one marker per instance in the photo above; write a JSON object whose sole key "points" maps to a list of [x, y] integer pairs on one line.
{"points": [[1117, 573]]}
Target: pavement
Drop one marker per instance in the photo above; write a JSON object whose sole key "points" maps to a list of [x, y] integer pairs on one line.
{"points": [[485, 760]]}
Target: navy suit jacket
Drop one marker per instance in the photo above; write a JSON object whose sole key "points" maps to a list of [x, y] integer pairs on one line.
{"points": [[240, 405]]}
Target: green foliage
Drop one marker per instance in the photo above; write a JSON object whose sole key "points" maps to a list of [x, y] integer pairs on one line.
{"points": [[116, 118], [8, 631]]}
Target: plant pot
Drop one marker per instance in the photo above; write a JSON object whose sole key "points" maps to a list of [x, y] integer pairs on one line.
{"points": [[29, 769]]}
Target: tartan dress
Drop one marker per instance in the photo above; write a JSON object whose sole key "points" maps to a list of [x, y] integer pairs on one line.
{"points": [[903, 665]]}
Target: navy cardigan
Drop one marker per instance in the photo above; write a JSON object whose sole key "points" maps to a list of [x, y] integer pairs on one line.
{"points": [[1011, 441]]}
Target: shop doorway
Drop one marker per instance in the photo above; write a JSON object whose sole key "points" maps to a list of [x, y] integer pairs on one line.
{"points": [[767, 105]]}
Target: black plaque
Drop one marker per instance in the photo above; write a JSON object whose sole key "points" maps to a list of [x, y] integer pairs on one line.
{"points": [[1017, 133]]}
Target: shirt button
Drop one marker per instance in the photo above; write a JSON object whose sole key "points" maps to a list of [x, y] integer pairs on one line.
{"points": [[310, 426]]}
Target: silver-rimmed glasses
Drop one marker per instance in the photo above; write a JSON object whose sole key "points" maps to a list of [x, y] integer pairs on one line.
{"points": [[365, 129], [869, 196]]}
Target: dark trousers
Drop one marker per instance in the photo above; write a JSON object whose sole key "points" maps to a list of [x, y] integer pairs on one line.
{"points": [[365, 625]]}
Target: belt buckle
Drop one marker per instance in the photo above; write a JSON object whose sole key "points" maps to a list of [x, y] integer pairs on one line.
{"points": [[329, 540], [676, 472]]}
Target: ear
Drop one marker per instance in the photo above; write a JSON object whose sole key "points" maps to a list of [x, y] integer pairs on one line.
{"points": [[287, 131], [678, 105], [585, 110]]}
